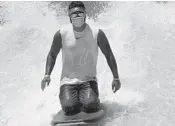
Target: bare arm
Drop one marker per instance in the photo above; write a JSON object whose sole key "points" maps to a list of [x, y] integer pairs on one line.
{"points": [[106, 50], [52, 55]]}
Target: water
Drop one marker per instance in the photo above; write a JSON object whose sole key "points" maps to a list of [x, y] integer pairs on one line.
{"points": [[141, 36]]}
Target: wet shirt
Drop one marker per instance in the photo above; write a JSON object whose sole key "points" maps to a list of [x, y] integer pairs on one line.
{"points": [[79, 55]]}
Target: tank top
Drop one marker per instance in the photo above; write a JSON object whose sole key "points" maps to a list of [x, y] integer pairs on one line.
{"points": [[79, 55]]}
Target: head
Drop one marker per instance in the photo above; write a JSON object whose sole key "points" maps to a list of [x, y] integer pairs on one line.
{"points": [[77, 13]]}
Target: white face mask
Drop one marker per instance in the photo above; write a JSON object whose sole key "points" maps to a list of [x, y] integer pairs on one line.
{"points": [[78, 21]]}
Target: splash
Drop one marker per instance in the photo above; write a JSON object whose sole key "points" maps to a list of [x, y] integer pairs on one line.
{"points": [[141, 36]]}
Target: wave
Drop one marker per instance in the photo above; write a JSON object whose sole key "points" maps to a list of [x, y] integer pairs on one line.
{"points": [[141, 36]]}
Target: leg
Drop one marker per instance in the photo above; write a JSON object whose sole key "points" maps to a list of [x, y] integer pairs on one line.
{"points": [[89, 96], [69, 99]]}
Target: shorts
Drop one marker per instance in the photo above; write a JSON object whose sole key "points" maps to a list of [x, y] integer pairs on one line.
{"points": [[79, 97]]}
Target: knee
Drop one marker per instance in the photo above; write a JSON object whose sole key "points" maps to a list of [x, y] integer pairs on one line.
{"points": [[70, 106], [66, 98], [91, 105], [91, 102], [66, 102]]}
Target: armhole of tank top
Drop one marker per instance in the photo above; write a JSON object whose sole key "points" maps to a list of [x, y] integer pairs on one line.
{"points": [[96, 34], [62, 44], [61, 33]]}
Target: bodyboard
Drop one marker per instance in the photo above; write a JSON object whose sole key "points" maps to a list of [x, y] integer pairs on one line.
{"points": [[80, 118]]}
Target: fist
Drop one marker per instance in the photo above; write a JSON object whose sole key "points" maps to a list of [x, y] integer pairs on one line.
{"points": [[45, 81], [116, 85]]}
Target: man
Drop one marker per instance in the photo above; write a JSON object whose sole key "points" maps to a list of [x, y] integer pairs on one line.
{"points": [[79, 43]]}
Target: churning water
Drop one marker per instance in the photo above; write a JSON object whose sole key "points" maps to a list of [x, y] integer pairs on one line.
{"points": [[141, 35]]}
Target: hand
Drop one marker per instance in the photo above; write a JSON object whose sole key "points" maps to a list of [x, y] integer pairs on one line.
{"points": [[45, 81], [116, 85]]}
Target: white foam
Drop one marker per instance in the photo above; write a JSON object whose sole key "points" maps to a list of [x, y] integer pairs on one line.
{"points": [[136, 31]]}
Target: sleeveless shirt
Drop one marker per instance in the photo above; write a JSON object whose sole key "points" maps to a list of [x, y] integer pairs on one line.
{"points": [[79, 55]]}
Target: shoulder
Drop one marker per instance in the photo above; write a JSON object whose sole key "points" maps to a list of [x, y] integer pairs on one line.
{"points": [[94, 29], [98, 31], [101, 33], [57, 33], [101, 38], [64, 30]]}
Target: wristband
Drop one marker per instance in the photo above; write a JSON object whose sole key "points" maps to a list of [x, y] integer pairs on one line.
{"points": [[46, 75], [116, 79]]}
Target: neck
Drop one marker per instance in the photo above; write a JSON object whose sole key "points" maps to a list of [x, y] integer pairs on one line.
{"points": [[80, 29]]}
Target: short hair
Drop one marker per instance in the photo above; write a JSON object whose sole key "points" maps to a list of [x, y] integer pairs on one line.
{"points": [[76, 4]]}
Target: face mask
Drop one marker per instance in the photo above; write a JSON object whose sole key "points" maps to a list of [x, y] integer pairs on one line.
{"points": [[78, 21]]}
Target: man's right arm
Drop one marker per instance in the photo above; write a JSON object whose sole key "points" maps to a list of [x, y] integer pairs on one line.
{"points": [[52, 55]]}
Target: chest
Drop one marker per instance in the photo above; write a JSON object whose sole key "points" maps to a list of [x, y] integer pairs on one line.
{"points": [[79, 42]]}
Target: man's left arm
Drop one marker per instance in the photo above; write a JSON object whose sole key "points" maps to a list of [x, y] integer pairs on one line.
{"points": [[106, 50]]}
